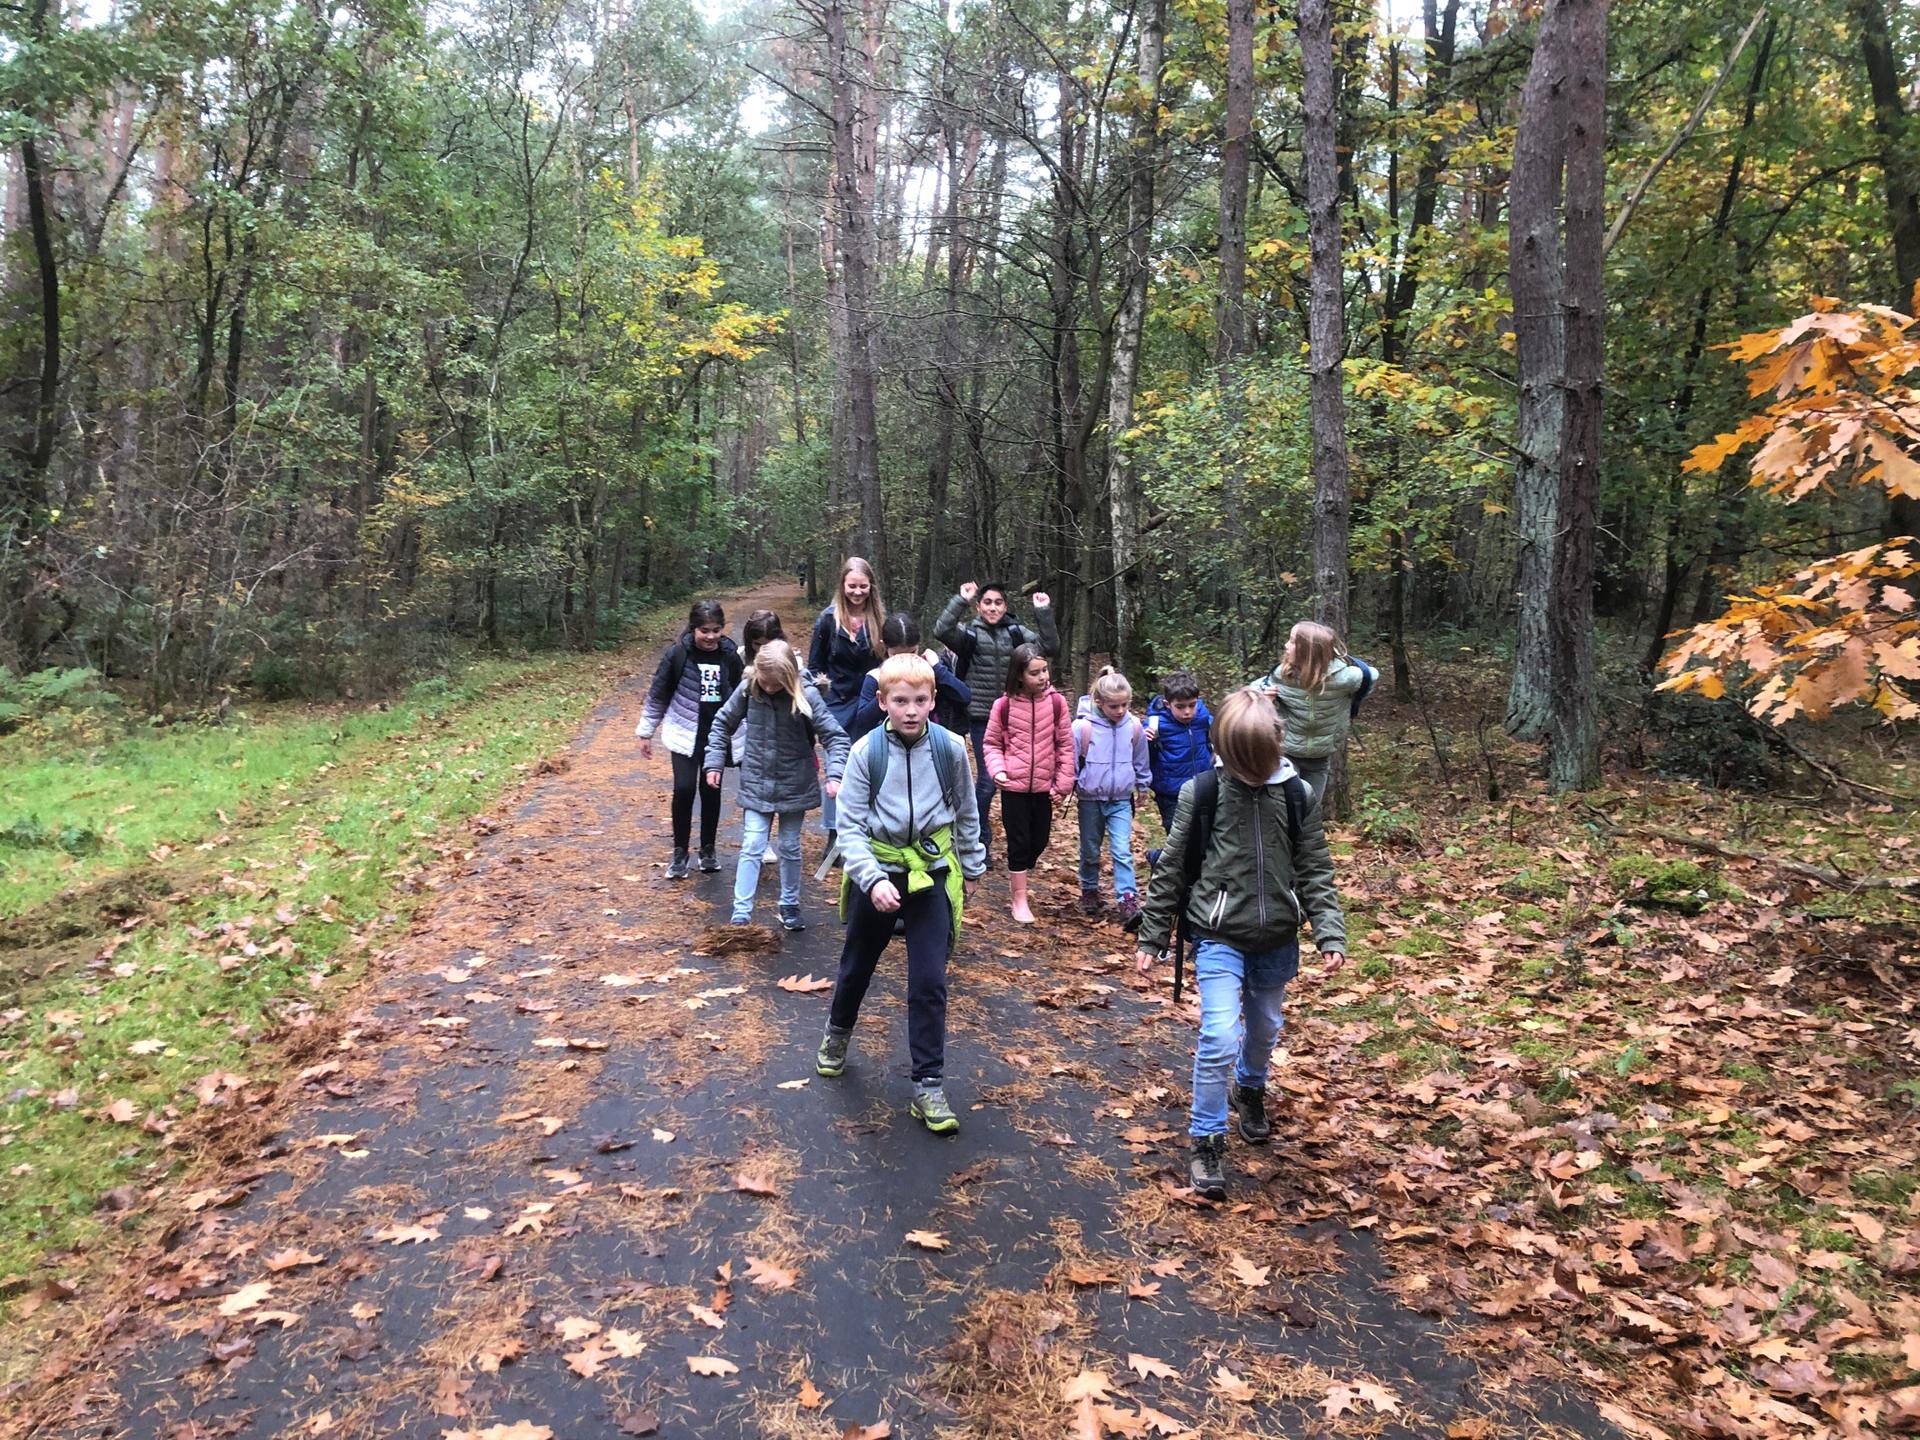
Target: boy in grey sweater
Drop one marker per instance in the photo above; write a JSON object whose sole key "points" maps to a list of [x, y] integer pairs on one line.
{"points": [[910, 841]]}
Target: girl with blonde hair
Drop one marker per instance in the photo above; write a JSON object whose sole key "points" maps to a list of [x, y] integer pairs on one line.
{"points": [[847, 644], [1111, 772], [1317, 687], [1245, 864], [782, 718]]}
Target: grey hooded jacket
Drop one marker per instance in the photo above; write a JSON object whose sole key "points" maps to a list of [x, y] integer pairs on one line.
{"points": [[984, 651], [777, 773]]}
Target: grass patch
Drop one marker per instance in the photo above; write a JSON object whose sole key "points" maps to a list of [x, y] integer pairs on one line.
{"points": [[293, 837]]}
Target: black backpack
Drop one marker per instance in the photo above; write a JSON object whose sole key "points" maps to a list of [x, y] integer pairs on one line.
{"points": [[1206, 805]]}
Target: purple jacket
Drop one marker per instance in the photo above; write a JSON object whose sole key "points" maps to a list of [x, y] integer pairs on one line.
{"points": [[1111, 760]]}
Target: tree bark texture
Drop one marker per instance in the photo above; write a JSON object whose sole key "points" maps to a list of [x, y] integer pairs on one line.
{"points": [[1573, 740], [1535, 262], [1129, 327], [1326, 320]]}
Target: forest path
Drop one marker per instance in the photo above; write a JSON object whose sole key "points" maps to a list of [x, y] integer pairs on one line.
{"points": [[556, 1152]]}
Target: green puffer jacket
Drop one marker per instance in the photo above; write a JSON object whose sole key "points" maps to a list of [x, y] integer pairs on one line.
{"points": [[1318, 720], [1254, 891]]}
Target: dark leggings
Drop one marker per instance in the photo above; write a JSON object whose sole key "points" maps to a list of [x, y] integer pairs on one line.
{"points": [[1029, 821], [929, 922], [686, 779]]}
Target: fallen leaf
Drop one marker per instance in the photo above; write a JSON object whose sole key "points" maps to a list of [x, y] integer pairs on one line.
{"points": [[1092, 1384], [769, 1276], [1246, 1272], [122, 1112], [493, 1357], [627, 1344], [589, 1359], [637, 1421], [576, 1327], [857, 1431], [753, 1182], [246, 1297], [711, 1365], [292, 1260], [1231, 1386], [803, 984], [665, 1137], [1143, 1289], [407, 1234], [707, 1317], [810, 1398], [791, 1085], [1148, 1368], [518, 1430], [927, 1239]]}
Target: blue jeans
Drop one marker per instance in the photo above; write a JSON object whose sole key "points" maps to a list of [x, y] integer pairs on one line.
{"points": [[1111, 820], [982, 782], [1238, 1025], [756, 828]]}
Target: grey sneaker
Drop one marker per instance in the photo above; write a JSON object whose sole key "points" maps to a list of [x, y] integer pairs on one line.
{"points": [[832, 1057], [790, 918], [1206, 1173], [677, 867], [709, 863], [931, 1109]]}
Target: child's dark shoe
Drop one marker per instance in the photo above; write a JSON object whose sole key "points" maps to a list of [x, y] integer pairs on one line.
{"points": [[677, 867], [790, 918], [1129, 907], [931, 1109], [1206, 1172], [1090, 902], [709, 862], [1250, 1106]]}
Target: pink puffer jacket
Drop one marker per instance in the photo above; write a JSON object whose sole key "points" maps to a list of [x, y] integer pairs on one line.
{"points": [[1030, 741]]}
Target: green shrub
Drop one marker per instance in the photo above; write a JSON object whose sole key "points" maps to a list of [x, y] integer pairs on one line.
{"points": [[44, 693], [1676, 884]]}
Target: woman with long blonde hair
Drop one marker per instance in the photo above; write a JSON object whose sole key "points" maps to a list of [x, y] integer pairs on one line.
{"points": [[782, 718], [847, 644]]}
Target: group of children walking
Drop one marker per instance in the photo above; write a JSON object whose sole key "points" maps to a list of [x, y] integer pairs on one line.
{"points": [[870, 731]]}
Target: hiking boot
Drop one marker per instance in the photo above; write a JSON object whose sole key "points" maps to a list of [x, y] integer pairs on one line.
{"points": [[1090, 902], [709, 862], [931, 1109], [741, 920], [677, 867], [1205, 1172], [1129, 907], [790, 918], [832, 1057], [1250, 1105]]}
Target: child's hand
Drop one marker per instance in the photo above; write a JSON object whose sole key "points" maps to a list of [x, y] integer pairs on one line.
{"points": [[713, 779], [885, 898], [833, 789], [1143, 961], [968, 889], [646, 747], [1003, 779], [968, 590], [1042, 600], [1336, 960]]}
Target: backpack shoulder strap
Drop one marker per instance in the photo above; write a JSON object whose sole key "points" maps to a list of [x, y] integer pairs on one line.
{"points": [[877, 756], [1206, 804], [946, 760], [1295, 789]]}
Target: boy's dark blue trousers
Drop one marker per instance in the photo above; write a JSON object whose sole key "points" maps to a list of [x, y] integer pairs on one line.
{"points": [[928, 919]]}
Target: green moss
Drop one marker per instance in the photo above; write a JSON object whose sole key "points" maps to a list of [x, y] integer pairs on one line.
{"points": [[1374, 967], [1676, 884], [1420, 942]]}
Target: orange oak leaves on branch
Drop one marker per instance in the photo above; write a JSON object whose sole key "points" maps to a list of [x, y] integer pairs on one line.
{"points": [[1844, 630]]}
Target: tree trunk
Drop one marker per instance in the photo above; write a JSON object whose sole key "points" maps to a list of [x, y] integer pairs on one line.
{"points": [[1230, 317], [1326, 320], [1129, 327], [1539, 324], [1900, 171], [1573, 741], [850, 95]]}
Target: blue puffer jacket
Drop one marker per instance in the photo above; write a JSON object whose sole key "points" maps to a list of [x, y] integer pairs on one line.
{"points": [[1177, 752]]}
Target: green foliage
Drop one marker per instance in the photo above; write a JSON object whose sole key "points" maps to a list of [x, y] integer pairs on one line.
{"points": [[1675, 884], [44, 693]]}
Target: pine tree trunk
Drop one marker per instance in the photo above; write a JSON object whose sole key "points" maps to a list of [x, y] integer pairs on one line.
{"points": [[1129, 327], [1326, 316]]}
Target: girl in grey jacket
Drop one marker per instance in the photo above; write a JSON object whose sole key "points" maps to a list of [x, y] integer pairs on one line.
{"points": [[782, 718], [1317, 687]]}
